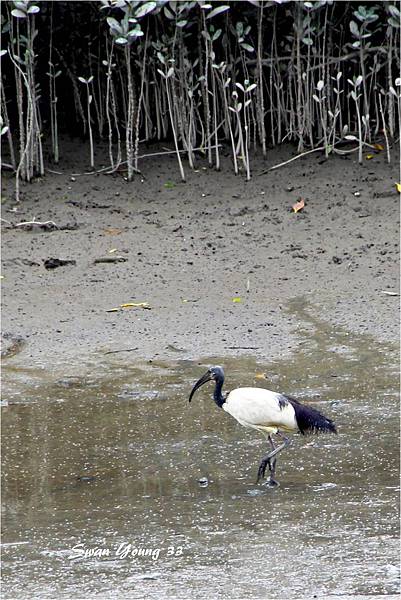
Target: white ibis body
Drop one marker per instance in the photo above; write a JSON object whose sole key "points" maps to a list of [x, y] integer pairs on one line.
{"points": [[268, 412]]}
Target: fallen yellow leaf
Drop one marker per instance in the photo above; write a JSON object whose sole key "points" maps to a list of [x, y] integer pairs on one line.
{"points": [[398, 187], [378, 147], [298, 205], [112, 231], [112, 250], [237, 299], [135, 305], [369, 156], [260, 376]]}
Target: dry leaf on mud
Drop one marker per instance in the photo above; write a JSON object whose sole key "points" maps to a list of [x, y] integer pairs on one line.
{"points": [[130, 305], [237, 299], [135, 305], [378, 147], [298, 205], [369, 156], [112, 231], [398, 187], [260, 376]]}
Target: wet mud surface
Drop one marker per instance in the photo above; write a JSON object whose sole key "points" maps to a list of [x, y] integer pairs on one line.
{"points": [[115, 461]]}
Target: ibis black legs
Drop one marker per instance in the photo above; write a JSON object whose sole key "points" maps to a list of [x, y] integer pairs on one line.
{"points": [[269, 460]]}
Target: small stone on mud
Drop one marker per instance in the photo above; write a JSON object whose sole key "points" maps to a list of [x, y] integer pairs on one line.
{"points": [[68, 382], [86, 478], [11, 344], [109, 259], [255, 492], [203, 482], [53, 263]]}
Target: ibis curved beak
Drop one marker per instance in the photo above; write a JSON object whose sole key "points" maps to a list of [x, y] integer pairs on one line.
{"points": [[204, 379]]}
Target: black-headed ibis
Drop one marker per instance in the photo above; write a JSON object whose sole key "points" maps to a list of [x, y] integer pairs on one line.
{"points": [[268, 412]]}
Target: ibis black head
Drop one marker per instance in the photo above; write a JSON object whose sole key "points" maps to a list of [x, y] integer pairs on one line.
{"points": [[213, 374]]}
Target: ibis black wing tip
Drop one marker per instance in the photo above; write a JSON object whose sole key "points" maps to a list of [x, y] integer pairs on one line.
{"points": [[310, 420]]}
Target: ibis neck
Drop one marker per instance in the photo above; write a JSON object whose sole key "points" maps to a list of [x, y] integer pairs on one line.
{"points": [[218, 396]]}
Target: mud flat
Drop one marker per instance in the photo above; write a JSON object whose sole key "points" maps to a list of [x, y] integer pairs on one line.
{"points": [[189, 249]]}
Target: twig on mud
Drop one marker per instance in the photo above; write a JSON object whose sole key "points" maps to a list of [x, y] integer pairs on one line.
{"points": [[123, 350], [243, 347], [162, 154], [55, 172], [31, 223], [102, 170], [109, 171], [291, 160], [335, 150], [36, 223]]}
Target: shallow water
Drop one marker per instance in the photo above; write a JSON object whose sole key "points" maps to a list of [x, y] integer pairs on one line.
{"points": [[111, 457]]}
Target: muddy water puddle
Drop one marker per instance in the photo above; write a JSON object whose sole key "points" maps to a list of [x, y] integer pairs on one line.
{"points": [[111, 460]]}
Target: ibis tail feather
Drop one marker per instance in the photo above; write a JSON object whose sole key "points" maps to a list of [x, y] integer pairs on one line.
{"points": [[310, 420]]}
